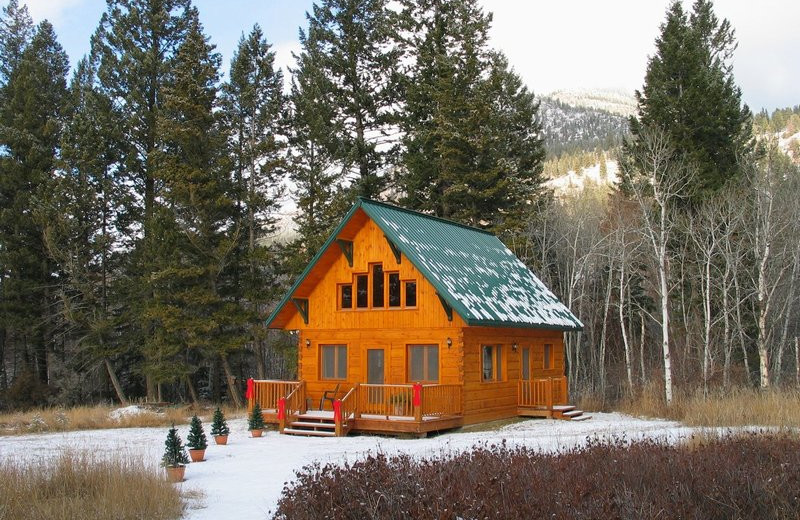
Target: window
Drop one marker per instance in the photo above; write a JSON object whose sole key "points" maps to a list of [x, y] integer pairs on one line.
{"points": [[394, 289], [377, 285], [334, 361], [526, 363], [411, 294], [492, 362], [423, 363], [546, 361], [362, 282], [346, 296]]}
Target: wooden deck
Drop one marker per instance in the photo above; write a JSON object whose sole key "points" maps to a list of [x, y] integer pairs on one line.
{"points": [[394, 409]]}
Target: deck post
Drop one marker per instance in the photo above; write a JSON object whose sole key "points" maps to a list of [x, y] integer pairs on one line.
{"points": [[337, 416], [417, 402], [549, 393], [281, 414]]}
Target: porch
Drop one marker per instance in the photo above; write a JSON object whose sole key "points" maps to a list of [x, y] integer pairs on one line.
{"points": [[415, 409]]}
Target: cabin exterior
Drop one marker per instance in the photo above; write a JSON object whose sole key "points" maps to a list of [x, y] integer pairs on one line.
{"points": [[411, 323]]}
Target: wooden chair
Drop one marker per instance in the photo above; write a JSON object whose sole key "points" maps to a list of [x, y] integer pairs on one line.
{"points": [[327, 397]]}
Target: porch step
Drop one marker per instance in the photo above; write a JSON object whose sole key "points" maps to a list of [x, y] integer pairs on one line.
{"points": [[569, 413], [304, 424], [310, 433]]}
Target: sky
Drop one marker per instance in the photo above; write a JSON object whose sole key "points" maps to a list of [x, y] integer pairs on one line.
{"points": [[553, 45]]}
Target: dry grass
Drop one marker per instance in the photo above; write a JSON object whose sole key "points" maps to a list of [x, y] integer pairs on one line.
{"points": [[735, 407], [78, 485], [100, 417]]}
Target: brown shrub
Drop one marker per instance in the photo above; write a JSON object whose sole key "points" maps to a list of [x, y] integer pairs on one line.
{"points": [[747, 477], [78, 486]]}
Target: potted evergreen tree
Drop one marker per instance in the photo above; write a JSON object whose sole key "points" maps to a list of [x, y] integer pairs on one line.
{"points": [[196, 440], [256, 421], [174, 459], [219, 427]]}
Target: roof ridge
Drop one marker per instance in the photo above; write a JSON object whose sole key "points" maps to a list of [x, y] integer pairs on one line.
{"points": [[425, 215]]}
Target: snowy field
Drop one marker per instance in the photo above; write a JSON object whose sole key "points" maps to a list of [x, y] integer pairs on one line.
{"points": [[245, 478]]}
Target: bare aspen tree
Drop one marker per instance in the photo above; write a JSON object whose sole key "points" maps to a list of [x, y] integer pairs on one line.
{"points": [[770, 223], [659, 178]]}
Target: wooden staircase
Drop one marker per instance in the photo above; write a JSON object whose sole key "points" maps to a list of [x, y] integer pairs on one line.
{"points": [[312, 425], [569, 413]]}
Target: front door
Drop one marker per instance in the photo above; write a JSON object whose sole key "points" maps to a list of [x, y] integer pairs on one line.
{"points": [[375, 374]]}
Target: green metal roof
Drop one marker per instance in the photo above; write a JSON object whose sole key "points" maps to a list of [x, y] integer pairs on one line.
{"points": [[472, 270]]}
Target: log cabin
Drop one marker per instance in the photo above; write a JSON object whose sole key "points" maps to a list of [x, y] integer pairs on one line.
{"points": [[409, 323]]}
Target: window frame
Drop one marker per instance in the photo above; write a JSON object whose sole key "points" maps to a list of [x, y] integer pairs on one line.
{"points": [[369, 275], [336, 355], [339, 296], [426, 348], [498, 359]]}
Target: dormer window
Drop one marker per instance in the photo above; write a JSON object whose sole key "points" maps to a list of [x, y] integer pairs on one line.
{"points": [[394, 289], [377, 286], [377, 289], [362, 285], [346, 296]]}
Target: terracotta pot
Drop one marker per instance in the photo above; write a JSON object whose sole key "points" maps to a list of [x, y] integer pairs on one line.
{"points": [[221, 439], [256, 433], [175, 473], [197, 455]]}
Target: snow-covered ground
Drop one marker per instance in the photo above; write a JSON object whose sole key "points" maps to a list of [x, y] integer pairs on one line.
{"points": [[245, 478]]}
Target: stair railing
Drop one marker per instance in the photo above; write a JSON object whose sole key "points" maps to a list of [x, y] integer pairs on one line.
{"points": [[291, 406], [345, 411]]}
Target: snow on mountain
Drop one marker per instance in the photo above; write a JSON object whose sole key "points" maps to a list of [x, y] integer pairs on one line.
{"points": [[619, 102]]}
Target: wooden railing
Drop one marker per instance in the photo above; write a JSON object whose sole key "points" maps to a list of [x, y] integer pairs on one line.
{"points": [[544, 392], [267, 392], [345, 410], [291, 406], [386, 400], [441, 400]]}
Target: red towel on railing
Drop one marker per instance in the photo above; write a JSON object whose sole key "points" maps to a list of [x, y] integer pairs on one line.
{"points": [[250, 389]]}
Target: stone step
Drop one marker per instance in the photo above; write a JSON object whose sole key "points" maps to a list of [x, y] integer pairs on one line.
{"points": [[310, 433], [563, 408], [581, 418], [572, 413]]}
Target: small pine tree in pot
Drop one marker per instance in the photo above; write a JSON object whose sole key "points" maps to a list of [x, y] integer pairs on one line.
{"points": [[196, 440], [219, 427], [174, 459], [256, 421]]}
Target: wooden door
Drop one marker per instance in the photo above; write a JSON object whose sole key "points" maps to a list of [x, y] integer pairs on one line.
{"points": [[376, 373], [375, 366]]}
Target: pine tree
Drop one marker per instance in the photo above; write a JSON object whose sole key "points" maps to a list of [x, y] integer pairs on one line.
{"points": [[16, 31], [80, 224], [256, 419], [136, 43], [312, 164], [689, 92], [352, 44], [190, 311], [174, 452], [219, 426], [472, 150], [254, 104], [30, 128], [196, 440]]}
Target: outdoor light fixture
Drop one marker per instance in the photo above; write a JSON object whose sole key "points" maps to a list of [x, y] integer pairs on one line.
{"points": [[308, 342], [449, 342], [514, 347]]}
